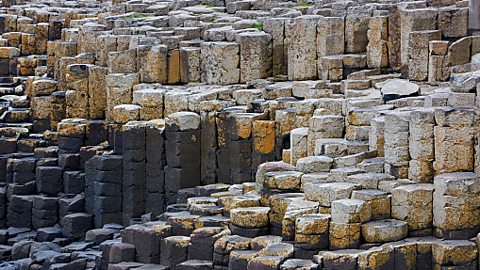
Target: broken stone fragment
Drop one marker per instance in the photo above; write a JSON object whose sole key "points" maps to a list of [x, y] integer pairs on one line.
{"points": [[9, 52], [398, 88]]}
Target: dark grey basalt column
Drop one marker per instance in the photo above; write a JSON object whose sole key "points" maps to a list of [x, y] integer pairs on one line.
{"points": [[3, 206], [23, 170], [225, 135], [20, 211], [115, 138], [208, 148], [103, 189], [49, 180], [223, 122], [73, 182], [154, 167], [182, 151], [133, 145], [44, 211], [96, 132]]}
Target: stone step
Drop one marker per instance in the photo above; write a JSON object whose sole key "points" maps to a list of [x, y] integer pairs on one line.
{"points": [[16, 116], [384, 230], [339, 147]]}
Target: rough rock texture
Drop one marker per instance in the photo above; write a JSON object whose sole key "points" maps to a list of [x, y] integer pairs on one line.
{"points": [[240, 135]]}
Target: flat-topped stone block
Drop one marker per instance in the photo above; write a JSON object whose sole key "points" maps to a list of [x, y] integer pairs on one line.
{"points": [[350, 211], [385, 230], [326, 193], [250, 217]]}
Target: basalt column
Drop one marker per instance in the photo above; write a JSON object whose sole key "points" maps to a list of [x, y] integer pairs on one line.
{"points": [[224, 123], [474, 15], [103, 189], [133, 144], [182, 151], [263, 142], [241, 166], [208, 148], [154, 167]]}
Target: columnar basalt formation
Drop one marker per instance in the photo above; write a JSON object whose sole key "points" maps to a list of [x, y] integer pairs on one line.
{"points": [[239, 135]]}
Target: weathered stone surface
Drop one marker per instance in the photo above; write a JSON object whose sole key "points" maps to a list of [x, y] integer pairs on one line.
{"points": [[379, 202], [312, 224], [387, 230], [250, 217], [326, 193], [221, 64], [302, 54], [399, 88], [460, 219], [454, 252], [344, 235], [239, 134], [414, 204], [350, 211]]}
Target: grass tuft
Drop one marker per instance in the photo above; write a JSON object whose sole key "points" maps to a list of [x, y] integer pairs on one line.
{"points": [[207, 4], [303, 4], [258, 25]]}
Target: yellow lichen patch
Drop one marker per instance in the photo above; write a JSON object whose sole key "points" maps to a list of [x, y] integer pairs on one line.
{"points": [[264, 136]]}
